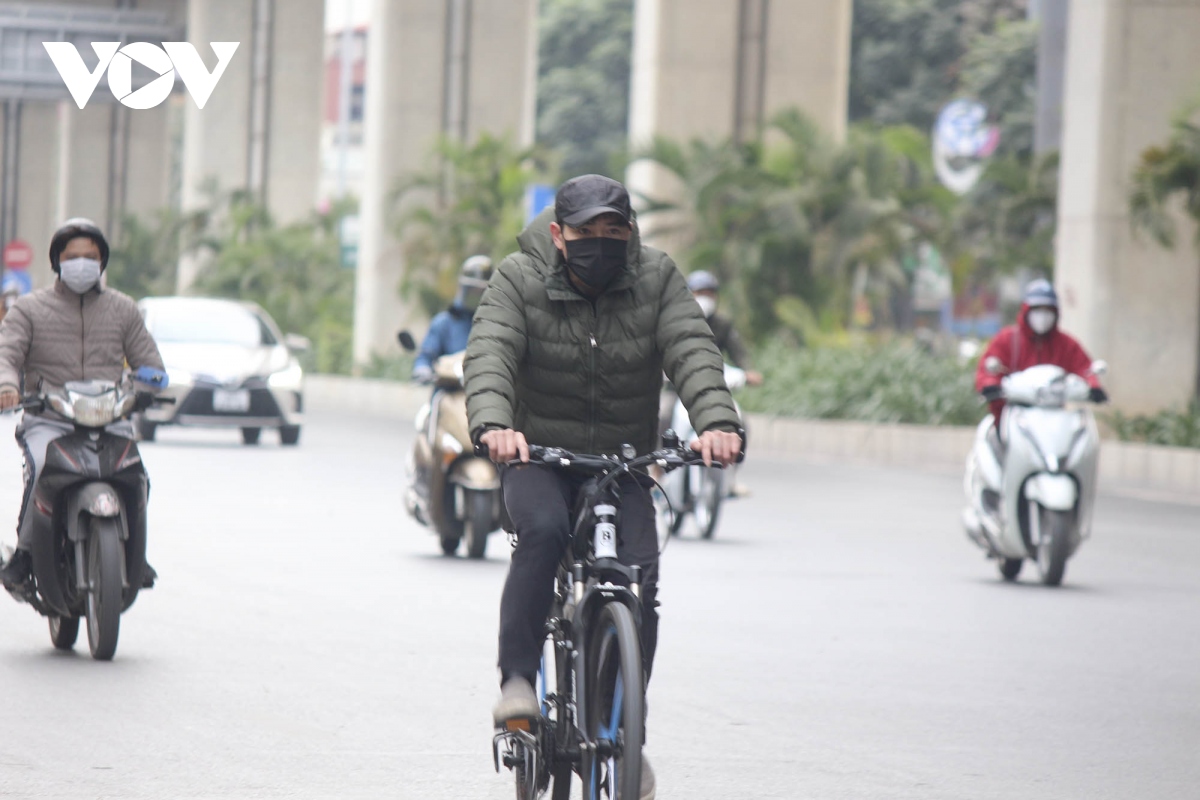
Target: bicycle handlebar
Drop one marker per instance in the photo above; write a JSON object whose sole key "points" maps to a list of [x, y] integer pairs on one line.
{"points": [[668, 457]]}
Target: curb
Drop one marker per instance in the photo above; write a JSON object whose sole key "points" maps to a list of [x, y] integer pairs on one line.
{"points": [[1123, 465]]}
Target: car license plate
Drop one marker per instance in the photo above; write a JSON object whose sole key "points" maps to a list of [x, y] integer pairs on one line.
{"points": [[235, 401]]}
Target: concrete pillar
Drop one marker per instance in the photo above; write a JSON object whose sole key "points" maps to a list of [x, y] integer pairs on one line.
{"points": [[1052, 17], [718, 69], [37, 190], [1131, 65], [414, 91], [215, 143], [260, 129], [297, 86]]}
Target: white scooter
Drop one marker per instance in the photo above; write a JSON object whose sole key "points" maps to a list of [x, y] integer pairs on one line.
{"points": [[698, 490], [1030, 490]]}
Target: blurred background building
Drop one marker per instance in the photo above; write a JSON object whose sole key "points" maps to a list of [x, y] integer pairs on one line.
{"points": [[259, 131]]}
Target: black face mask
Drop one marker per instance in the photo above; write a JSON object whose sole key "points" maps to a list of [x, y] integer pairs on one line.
{"points": [[596, 261]]}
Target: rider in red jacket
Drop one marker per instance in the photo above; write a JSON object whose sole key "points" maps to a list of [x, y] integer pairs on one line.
{"points": [[1034, 339]]}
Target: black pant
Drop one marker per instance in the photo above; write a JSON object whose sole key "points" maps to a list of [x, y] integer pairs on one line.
{"points": [[540, 502]]}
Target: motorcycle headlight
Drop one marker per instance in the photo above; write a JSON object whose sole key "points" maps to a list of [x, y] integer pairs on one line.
{"points": [[94, 411], [61, 406], [288, 378]]}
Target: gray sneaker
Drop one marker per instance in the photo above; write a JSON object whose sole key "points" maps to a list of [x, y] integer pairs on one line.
{"points": [[517, 701], [649, 788]]}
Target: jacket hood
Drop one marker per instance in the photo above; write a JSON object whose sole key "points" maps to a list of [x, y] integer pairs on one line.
{"points": [[1028, 332], [535, 241]]}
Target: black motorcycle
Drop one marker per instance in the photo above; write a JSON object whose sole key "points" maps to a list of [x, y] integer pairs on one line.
{"points": [[89, 513]]}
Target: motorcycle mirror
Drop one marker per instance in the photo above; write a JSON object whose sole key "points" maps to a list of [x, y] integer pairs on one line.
{"points": [[993, 366], [406, 340], [1099, 367]]}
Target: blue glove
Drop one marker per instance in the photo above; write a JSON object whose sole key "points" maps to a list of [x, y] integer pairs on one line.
{"points": [[152, 377]]}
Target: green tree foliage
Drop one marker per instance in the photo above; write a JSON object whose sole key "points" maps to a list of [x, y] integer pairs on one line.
{"points": [[891, 382], [584, 55], [294, 272], [1173, 427], [1166, 172], [798, 226], [1000, 70], [470, 200], [144, 257], [905, 60], [910, 57]]}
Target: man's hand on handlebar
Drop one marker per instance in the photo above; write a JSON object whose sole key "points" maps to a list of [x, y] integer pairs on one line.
{"points": [[720, 446], [505, 444], [9, 399]]}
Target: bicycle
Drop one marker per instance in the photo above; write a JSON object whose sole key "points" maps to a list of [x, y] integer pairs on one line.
{"points": [[590, 684]]}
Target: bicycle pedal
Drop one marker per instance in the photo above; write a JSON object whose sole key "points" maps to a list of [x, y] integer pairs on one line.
{"points": [[524, 724]]}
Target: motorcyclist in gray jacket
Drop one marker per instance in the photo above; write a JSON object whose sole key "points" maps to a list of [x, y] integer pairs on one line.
{"points": [[75, 330]]}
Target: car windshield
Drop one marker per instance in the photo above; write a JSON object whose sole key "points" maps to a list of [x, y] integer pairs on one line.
{"points": [[210, 323]]}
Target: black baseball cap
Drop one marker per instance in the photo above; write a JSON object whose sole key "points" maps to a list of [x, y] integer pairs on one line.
{"points": [[588, 196]]}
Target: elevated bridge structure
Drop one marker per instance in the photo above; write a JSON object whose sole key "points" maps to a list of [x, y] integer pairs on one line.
{"points": [[259, 130]]}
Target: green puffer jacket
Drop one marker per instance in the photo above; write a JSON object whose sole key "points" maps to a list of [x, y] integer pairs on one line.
{"points": [[544, 361]]}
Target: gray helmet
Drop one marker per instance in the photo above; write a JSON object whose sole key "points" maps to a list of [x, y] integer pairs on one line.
{"points": [[473, 278], [703, 281], [73, 229], [1040, 293]]}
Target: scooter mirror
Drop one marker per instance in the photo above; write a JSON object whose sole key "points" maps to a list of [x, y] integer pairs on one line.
{"points": [[406, 340], [993, 365], [1099, 367]]}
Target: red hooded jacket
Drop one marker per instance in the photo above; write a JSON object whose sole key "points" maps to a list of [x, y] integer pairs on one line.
{"points": [[1018, 348]]}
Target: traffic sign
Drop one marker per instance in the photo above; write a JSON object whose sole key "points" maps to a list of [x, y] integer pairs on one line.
{"points": [[18, 254], [16, 280]]}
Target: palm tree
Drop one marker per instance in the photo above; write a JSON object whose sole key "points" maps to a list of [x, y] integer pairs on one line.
{"points": [[1164, 172], [294, 272], [470, 200], [796, 225]]}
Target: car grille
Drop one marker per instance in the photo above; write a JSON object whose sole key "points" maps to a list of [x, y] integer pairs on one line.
{"points": [[199, 402]]}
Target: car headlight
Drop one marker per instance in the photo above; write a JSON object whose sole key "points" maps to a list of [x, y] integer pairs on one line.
{"points": [[288, 378]]}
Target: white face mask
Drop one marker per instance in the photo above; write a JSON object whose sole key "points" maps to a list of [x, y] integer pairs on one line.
{"points": [[80, 274], [1041, 320], [707, 304]]}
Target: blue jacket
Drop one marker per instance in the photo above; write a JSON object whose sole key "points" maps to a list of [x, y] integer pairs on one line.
{"points": [[447, 334]]}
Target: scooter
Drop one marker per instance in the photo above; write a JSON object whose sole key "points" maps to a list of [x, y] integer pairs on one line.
{"points": [[89, 513], [698, 491], [450, 489], [1031, 485]]}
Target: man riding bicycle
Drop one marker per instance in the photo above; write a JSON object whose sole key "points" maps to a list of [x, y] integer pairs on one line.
{"points": [[568, 349]]}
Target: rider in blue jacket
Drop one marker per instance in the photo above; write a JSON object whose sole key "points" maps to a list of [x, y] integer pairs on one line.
{"points": [[449, 330]]}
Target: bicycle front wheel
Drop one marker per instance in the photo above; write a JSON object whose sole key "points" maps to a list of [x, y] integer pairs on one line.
{"points": [[616, 714]]}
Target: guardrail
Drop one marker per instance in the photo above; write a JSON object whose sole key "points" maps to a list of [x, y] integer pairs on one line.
{"points": [[941, 448]]}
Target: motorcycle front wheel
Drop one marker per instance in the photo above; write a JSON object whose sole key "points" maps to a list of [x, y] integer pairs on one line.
{"points": [[480, 516], [104, 602], [710, 491], [1054, 544]]}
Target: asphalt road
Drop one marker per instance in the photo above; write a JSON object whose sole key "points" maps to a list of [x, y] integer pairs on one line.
{"points": [[839, 639]]}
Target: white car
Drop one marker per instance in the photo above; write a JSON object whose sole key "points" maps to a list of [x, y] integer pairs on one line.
{"points": [[229, 367]]}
